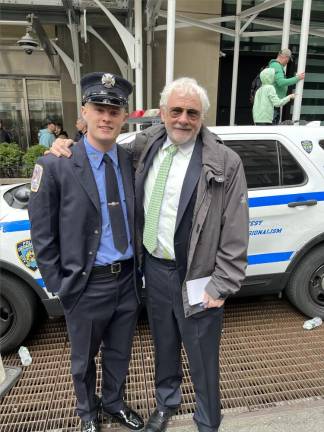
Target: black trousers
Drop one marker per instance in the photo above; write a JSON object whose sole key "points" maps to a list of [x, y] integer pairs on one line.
{"points": [[200, 335], [105, 318]]}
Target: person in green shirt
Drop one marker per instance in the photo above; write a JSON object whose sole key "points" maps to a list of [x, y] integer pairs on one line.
{"points": [[281, 83], [266, 99]]}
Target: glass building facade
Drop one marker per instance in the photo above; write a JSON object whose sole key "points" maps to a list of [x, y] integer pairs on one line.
{"points": [[257, 51], [25, 103]]}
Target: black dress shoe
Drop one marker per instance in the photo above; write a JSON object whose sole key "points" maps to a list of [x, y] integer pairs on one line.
{"points": [[128, 418], [158, 421], [89, 426]]}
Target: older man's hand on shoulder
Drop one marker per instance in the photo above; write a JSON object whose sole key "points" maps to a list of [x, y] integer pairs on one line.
{"points": [[60, 147]]}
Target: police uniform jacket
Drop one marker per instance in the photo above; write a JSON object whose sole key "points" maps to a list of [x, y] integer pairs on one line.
{"points": [[65, 218]]}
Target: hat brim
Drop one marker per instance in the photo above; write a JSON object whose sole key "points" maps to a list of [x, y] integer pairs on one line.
{"points": [[105, 100]]}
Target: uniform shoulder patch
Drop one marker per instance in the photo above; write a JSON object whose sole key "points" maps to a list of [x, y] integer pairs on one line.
{"points": [[36, 178]]}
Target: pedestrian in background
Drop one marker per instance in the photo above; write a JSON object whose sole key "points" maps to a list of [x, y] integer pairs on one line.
{"points": [[281, 83], [59, 132], [266, 99], [82, 227], [81, 126], [46, 136]]}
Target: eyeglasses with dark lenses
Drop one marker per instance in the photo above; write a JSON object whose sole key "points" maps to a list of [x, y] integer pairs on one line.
{"points": [[192, 113]]}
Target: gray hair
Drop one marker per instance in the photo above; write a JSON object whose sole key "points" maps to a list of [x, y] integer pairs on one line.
{"points": [[185, 86]]}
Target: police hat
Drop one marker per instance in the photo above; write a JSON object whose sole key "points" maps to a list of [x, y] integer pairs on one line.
{"points": [[105, 88]]}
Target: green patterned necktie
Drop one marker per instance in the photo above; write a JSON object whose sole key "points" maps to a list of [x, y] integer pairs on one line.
{"points": [[154, 207]]}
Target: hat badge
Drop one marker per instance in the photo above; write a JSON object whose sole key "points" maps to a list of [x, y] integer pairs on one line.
{"points": [[108, 80]]}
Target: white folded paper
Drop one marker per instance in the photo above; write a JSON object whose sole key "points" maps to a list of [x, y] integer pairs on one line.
{"points": [[196, 290]]}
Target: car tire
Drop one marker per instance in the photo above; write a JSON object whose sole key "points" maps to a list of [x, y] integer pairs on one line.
{"points": [[17, 312], [305, 288]]}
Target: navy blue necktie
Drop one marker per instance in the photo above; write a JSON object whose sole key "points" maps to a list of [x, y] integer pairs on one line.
{"points": [[115, 207]]}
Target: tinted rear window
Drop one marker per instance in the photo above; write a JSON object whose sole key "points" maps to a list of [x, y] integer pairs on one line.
{"points": [[267, 163]]}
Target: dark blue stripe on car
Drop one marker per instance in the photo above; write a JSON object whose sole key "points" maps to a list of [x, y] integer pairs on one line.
{"points": [[269, 258], [22, 225], [284, 199]]}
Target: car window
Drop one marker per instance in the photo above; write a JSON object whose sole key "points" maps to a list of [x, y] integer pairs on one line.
{"points": [[267, 163], [260, 160], [292, 173]]}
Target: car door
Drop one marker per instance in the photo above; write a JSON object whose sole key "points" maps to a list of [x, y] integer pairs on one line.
{"points": [[284, 187]]}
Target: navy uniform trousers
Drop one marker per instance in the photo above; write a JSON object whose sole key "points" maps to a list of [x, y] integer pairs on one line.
{"points": [[104, 317], [200, 335]]}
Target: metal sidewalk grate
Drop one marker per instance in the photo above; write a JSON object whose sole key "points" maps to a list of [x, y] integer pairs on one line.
{"points": [[267, 360], [26, 407], [270, 357]]}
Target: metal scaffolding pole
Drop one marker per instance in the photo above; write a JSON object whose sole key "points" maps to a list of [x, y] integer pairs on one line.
{"points": [[302, 58], [152, 13], [77, 74], [138, 54], [286, 25], [235, 60], [130, 77], [15, 23], [170, 41], [149, 68], [286, 32]]}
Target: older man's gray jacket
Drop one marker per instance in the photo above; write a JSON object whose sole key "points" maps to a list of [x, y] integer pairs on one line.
{"points": [[217, 236]]}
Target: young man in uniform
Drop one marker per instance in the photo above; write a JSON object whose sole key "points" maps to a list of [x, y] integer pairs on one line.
{"points": [[82, 226]]}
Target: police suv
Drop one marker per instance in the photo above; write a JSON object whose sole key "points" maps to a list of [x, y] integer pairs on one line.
{"points": [[284, 167]]}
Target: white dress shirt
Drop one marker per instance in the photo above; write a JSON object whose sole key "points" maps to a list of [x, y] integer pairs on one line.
{"points": [[171, 198]]}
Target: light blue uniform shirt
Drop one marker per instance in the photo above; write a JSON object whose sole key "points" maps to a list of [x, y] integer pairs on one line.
{"points": [[107, 253]]}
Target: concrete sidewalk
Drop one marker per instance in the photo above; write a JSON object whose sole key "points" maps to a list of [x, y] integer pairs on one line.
{"points": [[299, 417]]}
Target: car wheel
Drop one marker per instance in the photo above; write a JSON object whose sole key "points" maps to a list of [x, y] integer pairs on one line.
{"points": [[17, 311], [306, 285]]}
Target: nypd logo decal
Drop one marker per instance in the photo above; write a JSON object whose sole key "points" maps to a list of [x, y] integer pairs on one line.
{"points": [[26, 254], [307, 146]]}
